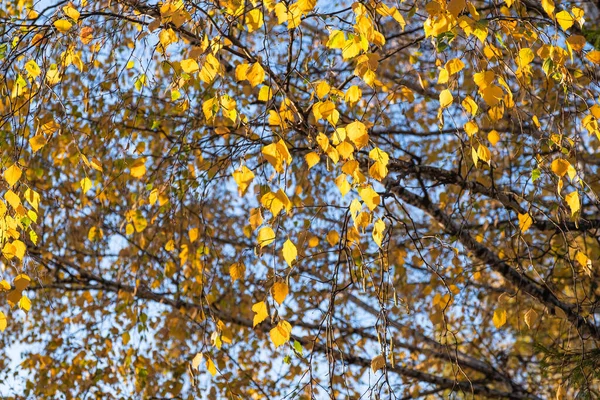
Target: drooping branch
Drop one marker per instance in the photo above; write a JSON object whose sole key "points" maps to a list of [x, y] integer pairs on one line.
{"points": [[85, 280], [539, 292]]}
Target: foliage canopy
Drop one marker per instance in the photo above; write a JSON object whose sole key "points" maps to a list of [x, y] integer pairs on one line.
{"points": [[278, 199]]}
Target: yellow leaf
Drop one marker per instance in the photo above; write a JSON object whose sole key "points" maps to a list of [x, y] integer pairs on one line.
{"points": [[129, 229], [189, 66], [471, 128], [96, 164], [345, 150], [446, 98], [484, 154], [281, 333], [370, 197], [139, 223], [525, 222], [266, 236], [280, 291], [560, 166], [572, 200], [312, 159], [526, 56], [33, 69], [322, 89], [378, 231], [377, 363], [9, 251], [210, 69], [86, 184], [256, 218], [193, 234], [138, 168], [25, 303], [13, 199], [4, 285], [241, 72], [33, 198], [276, 154], [470, 105], [197, 360], [37, 142], [492, 94], [3, 322], [254, 20], [379, 155], [12, 174], [210, 107], [493, 137], [342, 183], [71, 12], [276, 201], [337, 40], [548, 6], [153, 198], [62, 25], [454, 66], [237, 271], [499, 317], [170, 245], [95, 233], [255, 74], [243, 177], [260, 309], [564, 19], [332, 238], [290, 253], [357, 133], [530, 317], [265, 93], [443, 77], [378, 170], [593, 56], [353, 94], [585, 262], [210, 366]]}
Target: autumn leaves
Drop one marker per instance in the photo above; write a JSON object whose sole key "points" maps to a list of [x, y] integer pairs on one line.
{"points": [[13, 222]]}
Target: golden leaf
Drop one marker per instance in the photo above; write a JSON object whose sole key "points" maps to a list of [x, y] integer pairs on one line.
{"points": [[280, 291], [266, 236], [446, 98], [378, 231], [189, 66], [260, 309], [525, 222], [572, 200], [370, 197], [243, 177], [3, 322], [281, 333], [499, 318], [63, 25], [237, 271], [12, 174], [377, 363], [530, 317], [138, 168], [357, 133], [290, 253], [560, 166], [564, 19]]}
